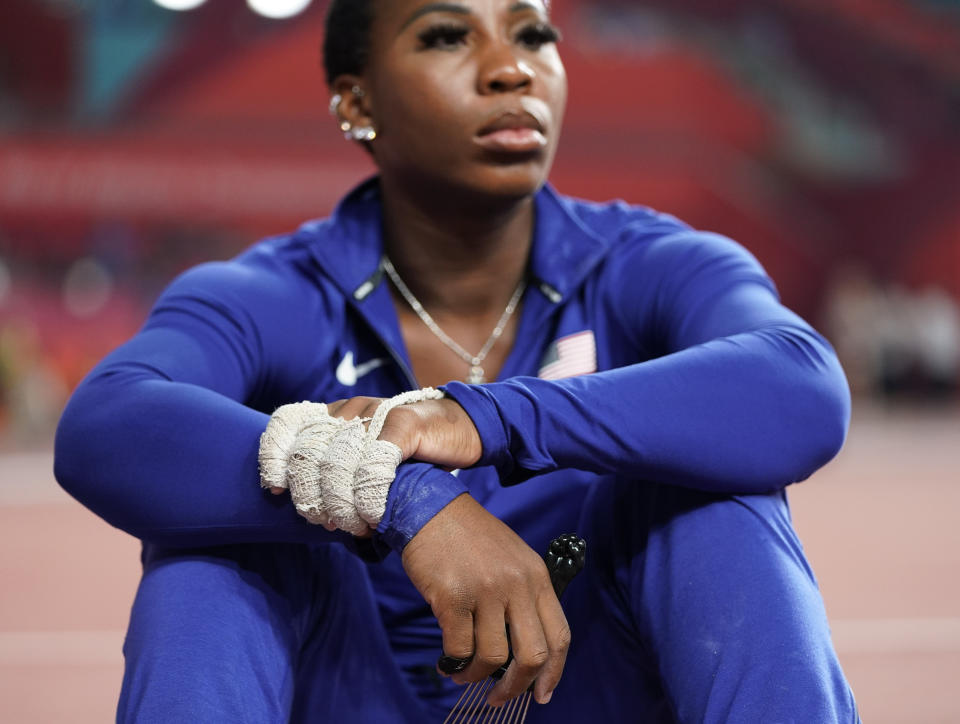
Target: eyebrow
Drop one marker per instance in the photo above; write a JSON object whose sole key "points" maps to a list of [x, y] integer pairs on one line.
{"points": [[517, 7], [442, 7], [437, 8]]}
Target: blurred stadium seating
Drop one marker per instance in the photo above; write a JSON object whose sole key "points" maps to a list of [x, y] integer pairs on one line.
{"points": [[819, 134]]}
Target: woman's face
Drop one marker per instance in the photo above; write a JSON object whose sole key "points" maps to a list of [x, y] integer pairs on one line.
{"points": [[465, 94]]}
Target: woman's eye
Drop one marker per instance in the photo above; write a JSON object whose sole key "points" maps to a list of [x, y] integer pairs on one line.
{"points": [[535, 36], [443, 37]]}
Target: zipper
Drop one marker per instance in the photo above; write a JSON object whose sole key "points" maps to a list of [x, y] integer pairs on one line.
{"points": [[401, 363], [361, 293]]}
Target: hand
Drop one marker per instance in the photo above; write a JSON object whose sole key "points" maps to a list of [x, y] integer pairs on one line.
{"points": [[478, 575], [433, 431]]}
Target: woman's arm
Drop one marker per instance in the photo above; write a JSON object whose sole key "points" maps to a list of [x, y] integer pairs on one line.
{"points": [[159, 439], [746, 396]]}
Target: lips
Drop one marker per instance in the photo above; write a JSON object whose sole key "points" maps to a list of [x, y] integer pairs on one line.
{"points": [[511, 120], [512, 132]]}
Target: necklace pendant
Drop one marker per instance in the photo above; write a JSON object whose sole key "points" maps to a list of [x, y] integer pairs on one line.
{"points": [[476, 375]]}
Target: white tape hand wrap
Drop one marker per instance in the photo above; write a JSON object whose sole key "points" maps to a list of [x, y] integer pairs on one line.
{"points": [[337, 471]]}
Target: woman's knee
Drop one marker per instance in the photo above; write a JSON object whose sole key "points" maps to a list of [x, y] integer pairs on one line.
{"points": [[225, 627], [718, 599]]}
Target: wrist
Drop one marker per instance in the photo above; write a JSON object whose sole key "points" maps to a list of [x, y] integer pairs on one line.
{"points": [[492, 444], [417, 494]]}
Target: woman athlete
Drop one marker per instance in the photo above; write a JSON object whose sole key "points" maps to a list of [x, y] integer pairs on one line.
{"points": [[606, 369]]}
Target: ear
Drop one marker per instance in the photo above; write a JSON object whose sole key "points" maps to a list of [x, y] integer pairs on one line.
{"points": [[355, 106]]}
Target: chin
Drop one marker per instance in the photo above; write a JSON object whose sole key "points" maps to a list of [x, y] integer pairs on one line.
{"points": [[511, 180], [474, 183]]}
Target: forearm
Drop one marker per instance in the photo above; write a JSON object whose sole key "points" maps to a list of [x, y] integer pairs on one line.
{"points": [[176, 464], [170, 463], [745, 413]]}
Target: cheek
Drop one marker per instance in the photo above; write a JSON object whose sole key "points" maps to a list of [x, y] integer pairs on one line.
{"points": [[420, 114], [555, 79]]}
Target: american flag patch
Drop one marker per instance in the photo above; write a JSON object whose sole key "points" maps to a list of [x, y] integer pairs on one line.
{"points": [[575, 354]]}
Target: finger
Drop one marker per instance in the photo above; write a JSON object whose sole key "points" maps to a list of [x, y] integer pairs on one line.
{"points": [[279, 439], [372, 479], [335, 470], [492, 647], [530, 653], [334, 407], [278, 491], [303, 481], [557, 633], [352, 408], [434, 431], [456, 625], [402, 428]]}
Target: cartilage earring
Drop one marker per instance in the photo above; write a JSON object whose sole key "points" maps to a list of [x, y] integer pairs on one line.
{"points": [[335, 102]]}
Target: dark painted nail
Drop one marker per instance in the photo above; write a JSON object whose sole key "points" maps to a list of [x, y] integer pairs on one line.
{"points": [[452, 665]]}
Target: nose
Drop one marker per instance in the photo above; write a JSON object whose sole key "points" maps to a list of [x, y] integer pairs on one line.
{"points": [[503, 72]]}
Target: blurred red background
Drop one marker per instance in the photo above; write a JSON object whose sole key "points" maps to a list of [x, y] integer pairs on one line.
{"points": [[822, 134], [135, 141]]}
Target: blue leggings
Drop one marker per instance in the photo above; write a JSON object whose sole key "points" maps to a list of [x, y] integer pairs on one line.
{"points": [[692, 607]]}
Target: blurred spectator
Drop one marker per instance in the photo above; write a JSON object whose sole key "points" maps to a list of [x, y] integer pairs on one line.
{"points": [[31, 393], [937, 328], [894, 342]]}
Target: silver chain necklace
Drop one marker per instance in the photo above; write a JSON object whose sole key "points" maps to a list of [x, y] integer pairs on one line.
{"points": [[474, 360]]}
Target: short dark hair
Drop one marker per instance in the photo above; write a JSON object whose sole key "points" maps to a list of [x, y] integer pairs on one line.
{"points": [[346, 45]]}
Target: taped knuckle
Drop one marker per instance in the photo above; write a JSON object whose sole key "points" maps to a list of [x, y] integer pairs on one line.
{"points": [[371, 483], [302, 480], [278, 439], [313, 514]]}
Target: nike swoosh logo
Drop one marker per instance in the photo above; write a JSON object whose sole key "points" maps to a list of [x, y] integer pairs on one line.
{"points": [[348, 373]]}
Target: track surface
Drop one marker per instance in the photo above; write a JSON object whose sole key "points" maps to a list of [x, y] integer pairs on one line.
{"points": [[880, 525]]}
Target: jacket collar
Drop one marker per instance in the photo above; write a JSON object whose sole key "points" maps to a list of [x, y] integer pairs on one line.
{"points": [[349, 245]]}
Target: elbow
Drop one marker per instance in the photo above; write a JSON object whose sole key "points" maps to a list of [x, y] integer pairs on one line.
{"points": [[809, 427], [82, 458], [82, 468], [826, 420], [68, 453], [837, 417]]}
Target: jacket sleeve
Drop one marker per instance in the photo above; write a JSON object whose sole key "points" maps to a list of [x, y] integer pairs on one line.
{"points": [[160, 440], [745, 396]]}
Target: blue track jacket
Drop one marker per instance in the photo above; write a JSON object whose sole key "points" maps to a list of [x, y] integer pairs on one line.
{"points": [[703, 379]]}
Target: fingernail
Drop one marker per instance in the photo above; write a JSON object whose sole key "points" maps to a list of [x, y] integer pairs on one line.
{"points": [[546, 698]]}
